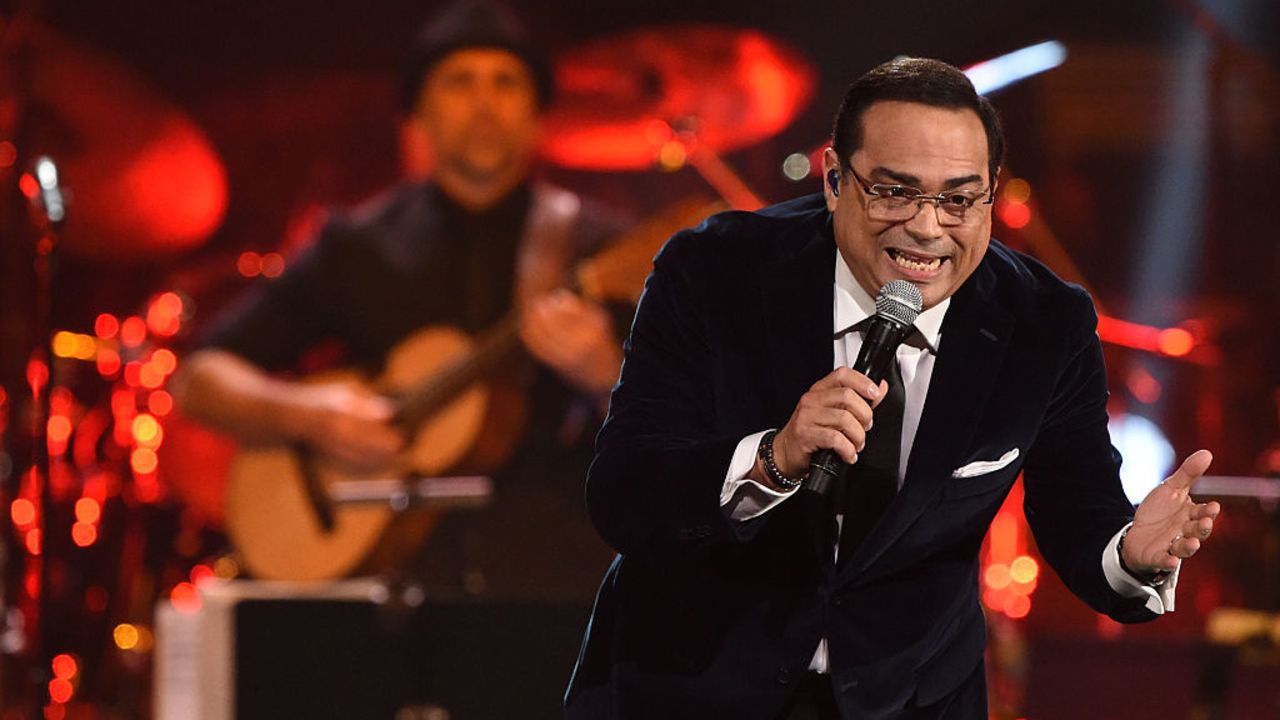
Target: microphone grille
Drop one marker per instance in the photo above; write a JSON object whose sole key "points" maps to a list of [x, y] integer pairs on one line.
{"points": [[899, 301]]}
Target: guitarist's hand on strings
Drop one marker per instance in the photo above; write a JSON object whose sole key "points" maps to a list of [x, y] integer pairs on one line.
{"points": [[350, 426], [573, 337]]}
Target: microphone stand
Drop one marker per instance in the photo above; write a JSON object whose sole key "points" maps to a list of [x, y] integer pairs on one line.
{"points": [[49, 217]]}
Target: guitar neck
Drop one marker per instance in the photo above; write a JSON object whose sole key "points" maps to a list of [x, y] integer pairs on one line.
{"points": [[617, 273], [491, 348]]}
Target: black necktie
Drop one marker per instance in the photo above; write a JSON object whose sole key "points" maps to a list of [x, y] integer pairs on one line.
{"points": [[872, 482]]}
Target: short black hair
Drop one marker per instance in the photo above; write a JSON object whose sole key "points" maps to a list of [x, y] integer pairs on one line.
{"points": [[472, 24], [919, 80]]}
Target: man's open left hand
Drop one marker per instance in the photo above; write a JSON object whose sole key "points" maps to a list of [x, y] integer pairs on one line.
{"points": [[1169, 526]]}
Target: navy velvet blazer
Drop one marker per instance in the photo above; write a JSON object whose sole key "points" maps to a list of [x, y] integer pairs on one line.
{"points": [[700, 616]]}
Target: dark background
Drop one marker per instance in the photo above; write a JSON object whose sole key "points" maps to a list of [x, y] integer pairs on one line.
{"points": [[297, 98]]}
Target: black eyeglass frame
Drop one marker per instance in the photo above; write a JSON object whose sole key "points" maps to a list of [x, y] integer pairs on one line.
{"points": [[881, 190]]}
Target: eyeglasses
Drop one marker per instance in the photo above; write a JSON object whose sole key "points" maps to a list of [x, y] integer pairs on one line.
{"points": [[895, 203]]}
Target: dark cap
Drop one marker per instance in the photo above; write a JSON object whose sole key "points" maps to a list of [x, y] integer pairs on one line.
{"points": [[472, 24]]}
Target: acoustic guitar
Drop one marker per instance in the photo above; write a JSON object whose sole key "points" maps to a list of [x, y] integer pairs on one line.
{"points": [[292, 516]]}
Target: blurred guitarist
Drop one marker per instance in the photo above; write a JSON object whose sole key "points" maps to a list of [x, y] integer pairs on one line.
{"points": [[462, 249]]}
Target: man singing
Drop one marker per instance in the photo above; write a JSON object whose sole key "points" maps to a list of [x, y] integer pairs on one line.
{"points": [[738, 594]]}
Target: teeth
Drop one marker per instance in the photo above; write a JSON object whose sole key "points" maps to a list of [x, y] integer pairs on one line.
{"points": [[912, 264]]}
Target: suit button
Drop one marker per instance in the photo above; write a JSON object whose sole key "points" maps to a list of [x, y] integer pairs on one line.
{"points": [[784, 676]]}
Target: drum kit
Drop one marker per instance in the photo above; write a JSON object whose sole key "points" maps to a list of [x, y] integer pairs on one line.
{"points": [[142, 180]]}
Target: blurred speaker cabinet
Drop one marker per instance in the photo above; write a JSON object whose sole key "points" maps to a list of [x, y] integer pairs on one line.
{"points": [[258, 650], [274, 650]]}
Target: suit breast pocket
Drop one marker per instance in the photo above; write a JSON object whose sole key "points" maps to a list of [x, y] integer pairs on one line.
{"points": [[983, 476]]}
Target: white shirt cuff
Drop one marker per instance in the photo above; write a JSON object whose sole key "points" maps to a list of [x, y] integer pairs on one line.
{"points": [[1159, 600], [741, 497]]}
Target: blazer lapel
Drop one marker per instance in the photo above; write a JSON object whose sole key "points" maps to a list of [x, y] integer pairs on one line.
{"points": [[797, 313], [975, 334]]}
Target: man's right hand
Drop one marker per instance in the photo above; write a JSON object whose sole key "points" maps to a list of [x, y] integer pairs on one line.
{"points": [[835, 414], [349, 425]]}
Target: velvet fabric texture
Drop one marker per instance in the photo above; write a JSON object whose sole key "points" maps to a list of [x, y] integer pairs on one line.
{"points": [[700, 616]]}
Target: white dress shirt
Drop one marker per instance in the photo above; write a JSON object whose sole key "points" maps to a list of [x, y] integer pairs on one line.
{"points": [[742, 498]]}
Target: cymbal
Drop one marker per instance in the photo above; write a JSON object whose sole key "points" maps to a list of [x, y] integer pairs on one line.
{"points": [[620, 99], [141, 176]]}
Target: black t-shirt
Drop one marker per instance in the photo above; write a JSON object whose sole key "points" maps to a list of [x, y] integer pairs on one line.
{"points": [[413, 259]]}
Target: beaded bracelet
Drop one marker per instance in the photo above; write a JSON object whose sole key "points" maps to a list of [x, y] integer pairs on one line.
{"points": [[771, 468]]}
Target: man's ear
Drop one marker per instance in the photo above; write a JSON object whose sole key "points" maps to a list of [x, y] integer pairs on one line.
{"points": [[831, 170]]}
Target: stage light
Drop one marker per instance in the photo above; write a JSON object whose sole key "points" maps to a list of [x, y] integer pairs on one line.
{"points": [[200, 573], [84, 534], [133, 331], [1025, 588], [1017, 606], [796, 167], [88, 510], [64, 666], [61, 400], [37, 375], [32, 541], [108, 362], [672, 156], [168, 303], [160, 403], [150, 377], [144, 461], [58, 429], [125, 636], [133, 373], [1024, 570], [106, 326], [60, 691], [164, 313], [272, 265], [1015, 215], [1148, 456], [164, 360], [249, 264], [1015, 190], [146, 430], [23, 512], [185, 598], [1002, 71], [226, 567], [64, 344], [28, 185], [1175, 342]]}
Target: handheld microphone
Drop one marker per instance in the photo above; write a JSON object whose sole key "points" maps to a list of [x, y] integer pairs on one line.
{"points": [[897, 306]]}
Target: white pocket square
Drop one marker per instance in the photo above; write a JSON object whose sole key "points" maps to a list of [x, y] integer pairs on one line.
{"points": [[982, 467]]}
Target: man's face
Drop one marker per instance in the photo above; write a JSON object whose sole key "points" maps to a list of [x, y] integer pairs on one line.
{"points": [[479, 110], [934, 150]]}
